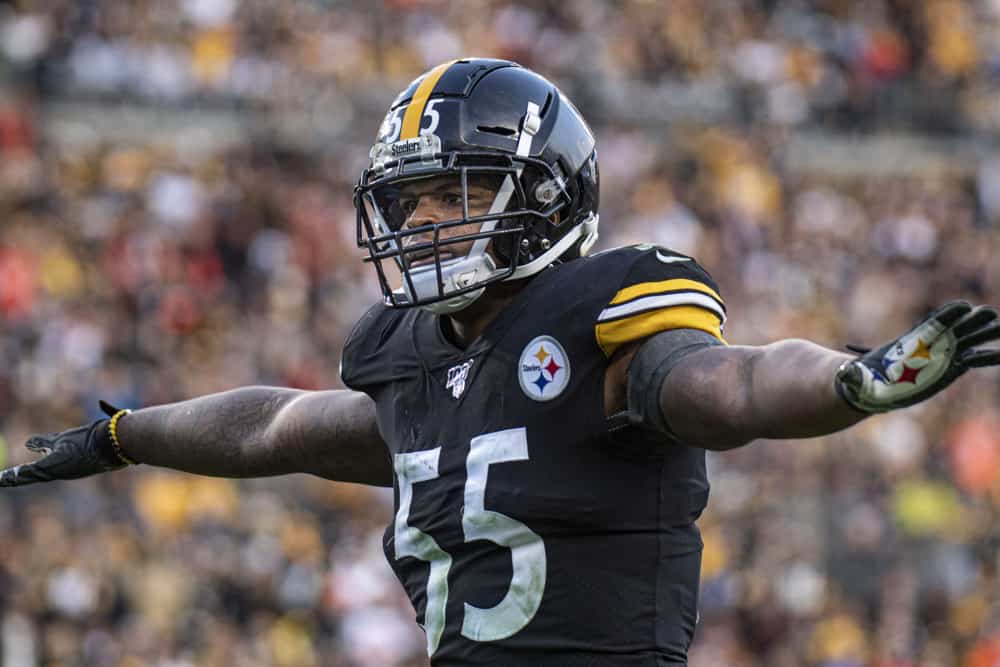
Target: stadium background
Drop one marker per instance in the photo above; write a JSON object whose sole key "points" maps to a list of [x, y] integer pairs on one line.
{"points": [[175, 183]]}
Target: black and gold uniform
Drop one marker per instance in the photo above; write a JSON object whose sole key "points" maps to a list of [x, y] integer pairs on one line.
{"points": [[531, 529]]}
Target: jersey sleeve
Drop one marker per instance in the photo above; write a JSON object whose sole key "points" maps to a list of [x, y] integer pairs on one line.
{"points": [[662, 290]]}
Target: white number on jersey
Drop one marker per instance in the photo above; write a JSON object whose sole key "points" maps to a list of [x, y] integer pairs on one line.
{"points": [[527, 585]]}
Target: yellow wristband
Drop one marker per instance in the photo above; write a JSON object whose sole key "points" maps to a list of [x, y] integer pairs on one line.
{"points": [[113, 429]]}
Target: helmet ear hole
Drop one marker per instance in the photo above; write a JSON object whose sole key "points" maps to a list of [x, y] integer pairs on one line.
{"points": [[507, 247], [534, 241]]}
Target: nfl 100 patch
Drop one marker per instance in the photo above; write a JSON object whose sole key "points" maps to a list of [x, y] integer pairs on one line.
{"points": [[457, 377], [543, 369]]}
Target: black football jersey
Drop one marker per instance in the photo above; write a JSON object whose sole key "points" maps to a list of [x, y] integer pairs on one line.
{"points": [[530, 528]]}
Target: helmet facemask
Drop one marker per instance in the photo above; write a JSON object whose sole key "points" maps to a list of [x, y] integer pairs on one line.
{"points": [[444, 265]]}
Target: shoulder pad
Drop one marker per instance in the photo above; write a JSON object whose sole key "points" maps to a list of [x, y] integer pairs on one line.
{"points": [[363, 361], [662, 290]]}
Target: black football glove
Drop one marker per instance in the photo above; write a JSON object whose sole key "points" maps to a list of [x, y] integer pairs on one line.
{"points": [[78, 452], [923, 361]]}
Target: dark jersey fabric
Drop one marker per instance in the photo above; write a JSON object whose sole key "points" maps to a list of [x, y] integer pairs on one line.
{"points": [[595, 559]]}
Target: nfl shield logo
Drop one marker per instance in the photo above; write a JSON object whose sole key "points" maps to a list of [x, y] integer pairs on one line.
{"points": [[457, 375]]}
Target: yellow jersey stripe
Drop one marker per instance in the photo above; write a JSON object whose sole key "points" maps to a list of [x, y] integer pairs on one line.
{"points": [[645, 289], [612, 335], [415, 110]]}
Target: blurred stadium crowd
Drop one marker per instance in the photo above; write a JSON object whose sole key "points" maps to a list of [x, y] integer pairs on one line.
{"points": [[175, 192]]}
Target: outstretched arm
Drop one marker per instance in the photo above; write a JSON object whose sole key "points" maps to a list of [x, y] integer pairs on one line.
{"points": [[724, 397], [246, 432], [720, 397]]}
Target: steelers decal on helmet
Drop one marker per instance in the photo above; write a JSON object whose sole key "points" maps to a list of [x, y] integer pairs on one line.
{"points": [[543, 369]]}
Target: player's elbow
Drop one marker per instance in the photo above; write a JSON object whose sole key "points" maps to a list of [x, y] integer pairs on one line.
{"points": [[714, 431], [725, 443]]}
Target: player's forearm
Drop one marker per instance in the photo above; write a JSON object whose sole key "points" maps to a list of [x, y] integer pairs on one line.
{"points": [[224, 434], [724, 397]]}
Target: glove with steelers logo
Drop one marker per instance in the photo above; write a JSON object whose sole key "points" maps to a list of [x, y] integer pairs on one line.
{"points": [[921, 362]]}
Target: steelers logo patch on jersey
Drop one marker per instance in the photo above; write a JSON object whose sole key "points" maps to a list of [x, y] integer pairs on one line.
{"points": [[543, 369]]}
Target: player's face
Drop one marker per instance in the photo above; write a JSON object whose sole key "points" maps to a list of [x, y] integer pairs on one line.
{"points": [[439, 199]]}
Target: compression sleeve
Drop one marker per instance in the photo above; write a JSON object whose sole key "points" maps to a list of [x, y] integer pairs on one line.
{"points": [[651, 365]]}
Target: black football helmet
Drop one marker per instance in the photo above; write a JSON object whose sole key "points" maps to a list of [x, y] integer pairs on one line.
{"points": [[493, 121]]}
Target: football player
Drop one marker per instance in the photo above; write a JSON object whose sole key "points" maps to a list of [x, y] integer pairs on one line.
{"points": [[541, 414]]}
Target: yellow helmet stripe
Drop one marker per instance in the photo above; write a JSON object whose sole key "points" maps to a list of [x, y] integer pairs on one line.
{"points": [[415, 110]]}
